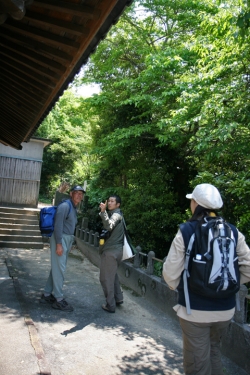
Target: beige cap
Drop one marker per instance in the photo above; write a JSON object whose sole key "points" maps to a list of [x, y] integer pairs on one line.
{"points": [[207, 196]]}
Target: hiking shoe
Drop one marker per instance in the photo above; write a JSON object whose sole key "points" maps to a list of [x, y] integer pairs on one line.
{"points": [[105, 307], [62, 305], [50, 299], [119, 303]]}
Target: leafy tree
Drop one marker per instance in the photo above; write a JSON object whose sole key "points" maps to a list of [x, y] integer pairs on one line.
{"points": [[173, 112], [214, 110], [68, 157]]}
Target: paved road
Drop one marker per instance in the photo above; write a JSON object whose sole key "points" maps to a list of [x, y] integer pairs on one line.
{"points": [[37, 340]]}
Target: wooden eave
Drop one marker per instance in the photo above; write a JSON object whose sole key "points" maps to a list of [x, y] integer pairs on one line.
{"points": [[43, 45]]}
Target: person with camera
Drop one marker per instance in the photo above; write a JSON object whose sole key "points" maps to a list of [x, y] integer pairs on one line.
{"points": [[111, 249]]}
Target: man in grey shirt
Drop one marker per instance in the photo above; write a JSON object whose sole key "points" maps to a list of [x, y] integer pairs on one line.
{"points": [[60, 245]]}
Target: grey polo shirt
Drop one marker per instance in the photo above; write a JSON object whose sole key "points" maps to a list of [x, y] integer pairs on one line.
{"points": [[65, 220]]}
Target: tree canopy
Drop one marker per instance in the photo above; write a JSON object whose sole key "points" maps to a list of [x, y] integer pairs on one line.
{"points": [[173, 111]]}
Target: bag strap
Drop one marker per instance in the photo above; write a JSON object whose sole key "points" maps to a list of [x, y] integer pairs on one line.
{"points": [[127, 236], [69, 203], [125, 227]]}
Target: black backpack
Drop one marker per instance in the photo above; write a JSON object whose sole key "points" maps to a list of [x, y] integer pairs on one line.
{"points": [[211, 264]]}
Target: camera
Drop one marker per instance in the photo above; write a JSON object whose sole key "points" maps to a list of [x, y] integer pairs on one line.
{"points": [[105, 234]]}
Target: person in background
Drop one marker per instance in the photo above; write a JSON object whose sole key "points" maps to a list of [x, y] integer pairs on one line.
{"points": [[111, 252], [210, 317], [60, 245]]}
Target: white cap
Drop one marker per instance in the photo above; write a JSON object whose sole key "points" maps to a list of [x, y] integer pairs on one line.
{"points": [[207, 196]]}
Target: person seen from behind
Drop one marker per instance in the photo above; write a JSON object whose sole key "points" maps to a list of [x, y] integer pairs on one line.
{"points": [[111, 252], [202, 330], [60, 246]]}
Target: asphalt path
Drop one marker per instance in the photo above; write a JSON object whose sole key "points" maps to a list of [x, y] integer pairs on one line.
{"points": [[38, 340]]}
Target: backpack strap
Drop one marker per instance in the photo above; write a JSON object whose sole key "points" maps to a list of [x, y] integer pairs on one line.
{"points": [[186, 273], [188, 233], [235, 232], [69, 203], [187, 229]]}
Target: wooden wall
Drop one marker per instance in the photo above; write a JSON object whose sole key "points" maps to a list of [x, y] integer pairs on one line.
{"points": [[19, 181], [20, 173]]}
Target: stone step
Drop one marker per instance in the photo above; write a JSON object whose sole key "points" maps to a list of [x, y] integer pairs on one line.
{"points": [[9, 215], [14, 220], [34, 231], [22, 238], [22, 245], [26, 211], [19, 226]]}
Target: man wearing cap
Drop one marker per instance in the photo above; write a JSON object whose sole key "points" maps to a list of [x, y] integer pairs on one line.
{"points": [[60, 245], [204, 325]]}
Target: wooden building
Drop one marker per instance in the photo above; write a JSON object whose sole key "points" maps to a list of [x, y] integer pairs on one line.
{"points": [[20, 173]]}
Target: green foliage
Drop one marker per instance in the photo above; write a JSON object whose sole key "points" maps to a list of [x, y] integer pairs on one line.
{"points": [[44, 199], [173, 112], [158, 268], [68, 156]]}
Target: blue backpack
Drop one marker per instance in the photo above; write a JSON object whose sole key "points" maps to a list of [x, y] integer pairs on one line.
{"points": [[47, 217]]}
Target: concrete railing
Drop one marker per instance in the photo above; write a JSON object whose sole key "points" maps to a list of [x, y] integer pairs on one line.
{"points": [[236, 344]]}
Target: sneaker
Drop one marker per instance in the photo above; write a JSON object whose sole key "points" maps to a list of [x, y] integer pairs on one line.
{"points": [[62, 305], [50, 299]]}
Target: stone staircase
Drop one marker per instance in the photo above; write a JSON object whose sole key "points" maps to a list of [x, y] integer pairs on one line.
{"points": [[19, 228]]}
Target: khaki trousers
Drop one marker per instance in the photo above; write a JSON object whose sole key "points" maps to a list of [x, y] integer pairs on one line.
{"points": [[201, 347], [110, 260]]}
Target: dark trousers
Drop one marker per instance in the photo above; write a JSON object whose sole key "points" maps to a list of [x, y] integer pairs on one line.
{"points": [[110, 260], [201, 347]]}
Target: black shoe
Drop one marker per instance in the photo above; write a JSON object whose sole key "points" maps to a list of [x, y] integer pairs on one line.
{"points": [[62, 305], [50, 299], [105, 307], [119, 303]]}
